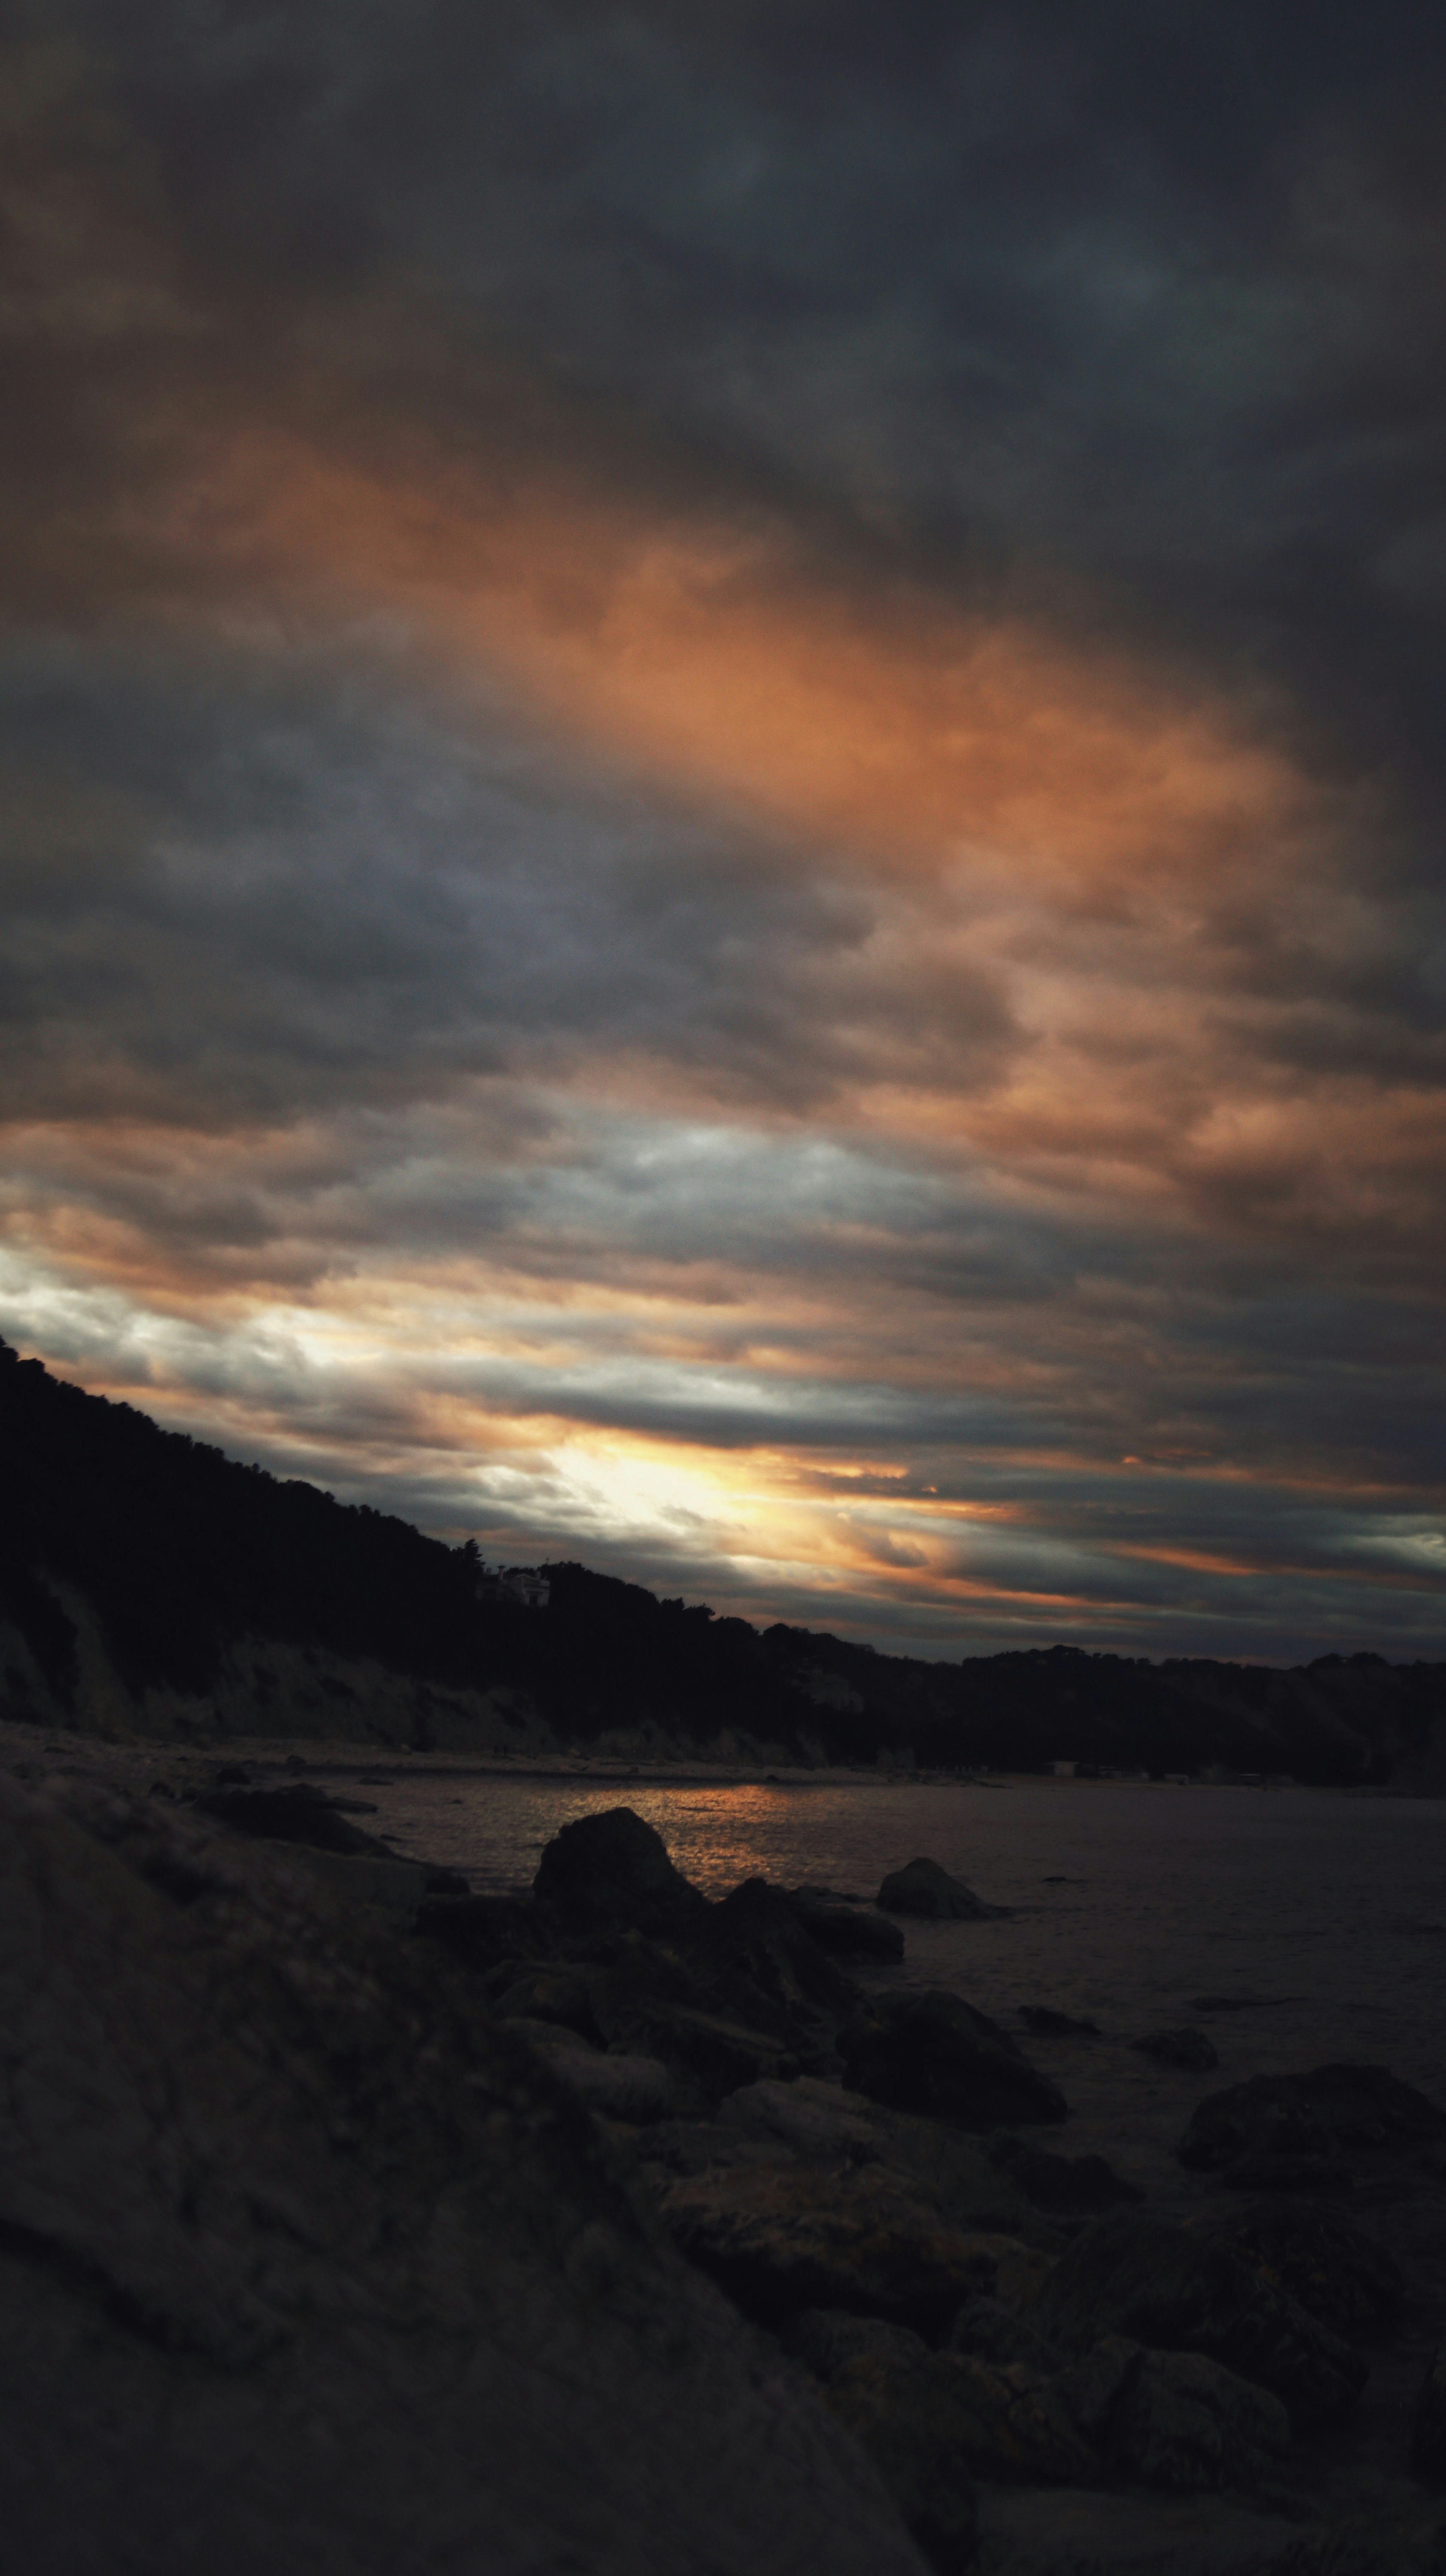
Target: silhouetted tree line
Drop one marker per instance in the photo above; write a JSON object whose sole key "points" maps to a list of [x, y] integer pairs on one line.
{"points": [[181, 1550]]}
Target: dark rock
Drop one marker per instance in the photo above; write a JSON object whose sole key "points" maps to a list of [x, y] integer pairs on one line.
{"points": [[992, 2330], [924, 1888], [447, 1882], [1428, 2436], [1177, 2289], [719, 2055], [297, 1814], [1329, 2264], [788, 2237], [822, 2124], [611, 1871], [547, 1992], [754, 1950], [1188, 2048], [1048, 2024], [1326, 2112], [698, 2146], [933, 2053], [635, 2090], [1381, 2544], [1071, 2186], [305, 2263], [484, 1931], [847, 1931], [1174, 2419], [1321, 2177], [1002, 2421], [881, 2386]]}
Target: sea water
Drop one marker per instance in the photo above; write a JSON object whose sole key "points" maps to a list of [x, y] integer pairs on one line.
{"points": [[1320, 1916]]}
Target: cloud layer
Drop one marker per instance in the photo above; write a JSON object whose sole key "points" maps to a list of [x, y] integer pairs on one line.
{"points": [[723, 793]]}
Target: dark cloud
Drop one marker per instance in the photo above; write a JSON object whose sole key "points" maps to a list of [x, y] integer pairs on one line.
{"points": [[721, 744]]}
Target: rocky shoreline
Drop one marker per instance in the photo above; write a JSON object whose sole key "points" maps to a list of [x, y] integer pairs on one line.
{"points": [[799, 2270]]}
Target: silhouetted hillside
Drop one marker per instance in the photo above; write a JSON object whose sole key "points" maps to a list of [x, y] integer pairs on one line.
{"points": [[177, 1555]]}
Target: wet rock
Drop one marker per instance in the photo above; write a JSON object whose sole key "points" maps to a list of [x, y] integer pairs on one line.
{"points": [[1174, 2419], [1176, 2289], [1070, 2186], [785, 2238], [1335, 2270], [933, 2053], [823, 2123], [1327, 2112], [881, 2386], [1188, 2048], [1045, 2023], [612, 1872], [1382, 2544], [1428, 2437], [926, 1889], [305, 2263], [300, 1813], [993, 2330], [847, 1931]]}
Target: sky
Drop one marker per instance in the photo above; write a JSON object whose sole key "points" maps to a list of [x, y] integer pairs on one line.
{"points": [[723, 762]]}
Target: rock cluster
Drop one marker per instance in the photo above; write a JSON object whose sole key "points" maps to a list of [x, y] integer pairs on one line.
{"points": [[612, 2228]]}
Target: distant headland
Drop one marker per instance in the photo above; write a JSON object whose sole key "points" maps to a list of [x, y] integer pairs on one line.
{"points": [[150, 1587]]}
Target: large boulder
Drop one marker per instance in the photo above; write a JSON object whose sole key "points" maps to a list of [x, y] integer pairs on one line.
{"points": [[1003, 2421], [306, 2265], [1334, 2268], [881, 2385], [933, 2053], [924, 1888], [611, 1872], [1176, 2289], [782, 2238], [1326, 2113], [1175, 2419]]}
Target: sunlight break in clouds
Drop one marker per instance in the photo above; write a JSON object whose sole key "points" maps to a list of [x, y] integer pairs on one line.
{"points": [[701, 874]]}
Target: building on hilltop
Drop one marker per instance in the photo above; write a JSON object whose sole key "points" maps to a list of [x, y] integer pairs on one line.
{"points": [[521, 1586]]}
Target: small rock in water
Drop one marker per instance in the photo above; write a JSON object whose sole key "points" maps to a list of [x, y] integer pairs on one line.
{"points": [[1188, 2048], [1048, 2024], [924, 1888], [935, 2054]]}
